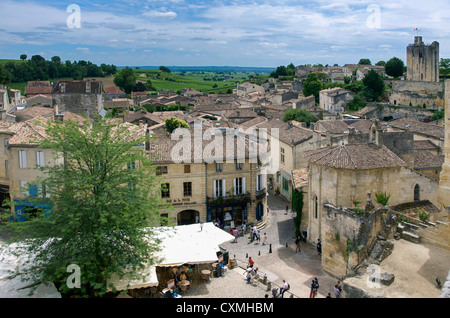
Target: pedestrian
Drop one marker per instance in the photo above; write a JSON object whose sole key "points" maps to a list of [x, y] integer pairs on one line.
{"points": [[329, 295], [339, 287], [268, 210], [265, 239], [258, 236], [298, 243], [284, 288], [314, 288], [235, 234], [275, 293], [319, 246], [244, 228], [287, 208], [250, 262], [337, 292], [254, 233], [251, 233]]}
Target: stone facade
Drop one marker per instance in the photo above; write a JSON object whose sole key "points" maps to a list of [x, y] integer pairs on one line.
{"points": [[349, 239], [422, 61], [444, 180], [334, 100], [417, 93]]}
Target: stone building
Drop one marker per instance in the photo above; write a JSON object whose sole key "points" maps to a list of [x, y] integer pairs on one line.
{"points": [[246, 88], [83, 98], [335, 100], [422, 61], [293, 141], [355, 169], [206, 179]]}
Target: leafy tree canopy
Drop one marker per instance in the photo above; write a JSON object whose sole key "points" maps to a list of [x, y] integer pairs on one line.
{"points": [[394, 67], [105, 199]]}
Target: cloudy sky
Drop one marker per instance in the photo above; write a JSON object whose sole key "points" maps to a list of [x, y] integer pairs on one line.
{"points": [[220, 32]]}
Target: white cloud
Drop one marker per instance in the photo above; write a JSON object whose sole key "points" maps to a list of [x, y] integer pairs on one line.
{"points": [[161, 15]]}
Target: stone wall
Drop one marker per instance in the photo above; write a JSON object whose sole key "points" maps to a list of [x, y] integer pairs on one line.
{"points": [[87, 105], [349, 239], [417, 93], [436, 234]]}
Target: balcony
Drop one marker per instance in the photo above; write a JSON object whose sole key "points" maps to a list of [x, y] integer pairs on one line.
{"points": [[261, 193], [229, 199]]}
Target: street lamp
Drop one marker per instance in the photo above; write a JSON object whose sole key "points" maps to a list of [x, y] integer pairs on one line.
{"points": [[201, 225]]}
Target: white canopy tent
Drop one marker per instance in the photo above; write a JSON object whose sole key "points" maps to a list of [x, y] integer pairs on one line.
{"points": [[184, 244], [12, 286]]}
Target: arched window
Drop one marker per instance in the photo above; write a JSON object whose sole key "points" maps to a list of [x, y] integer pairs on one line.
{"points": [[417, 193]]}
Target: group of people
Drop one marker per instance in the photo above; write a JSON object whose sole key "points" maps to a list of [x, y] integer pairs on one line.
{"points": [[181, 273], [255, 235]]}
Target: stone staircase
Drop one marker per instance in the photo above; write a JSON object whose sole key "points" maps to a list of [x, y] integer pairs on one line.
{"points": [[409, 232], [261, 225]]}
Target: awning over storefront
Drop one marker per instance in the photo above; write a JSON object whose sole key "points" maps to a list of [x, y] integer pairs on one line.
{"points": [[184, 244]]}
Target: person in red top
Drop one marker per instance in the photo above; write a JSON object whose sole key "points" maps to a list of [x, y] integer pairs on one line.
{"points": [[250, 262]]}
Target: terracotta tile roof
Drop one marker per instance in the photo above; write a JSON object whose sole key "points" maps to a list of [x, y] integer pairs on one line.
{"points": [[419, 127], [161, 146], [251, 123], [31, 112], [340, 127], [300, 177], [333, 126], [77, 87], [113, 90], [38, 87], [424, 159], [29, 133], [288, 132], [425, 145], [354, 156]]}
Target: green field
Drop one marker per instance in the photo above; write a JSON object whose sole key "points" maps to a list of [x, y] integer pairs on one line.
{"points": [[4, 61], [207, 82]]}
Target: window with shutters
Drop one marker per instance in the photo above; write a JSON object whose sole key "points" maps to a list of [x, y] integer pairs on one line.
{"points": [[239, 185], [40, 159], [259, 182], [219, 188], [22, 159], [187, 168], [282, 155]]}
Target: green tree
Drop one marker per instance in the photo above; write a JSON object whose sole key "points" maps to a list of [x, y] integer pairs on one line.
{"points": [[365, 62], [125, 79], [358, 102], [394, 67], [164, 69], [312, 86], [444, 67], [5, 76], [374, 85], [105, 200], [297, 206], [381, 63], [300, 115], [23, 57], [173, 123]]}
